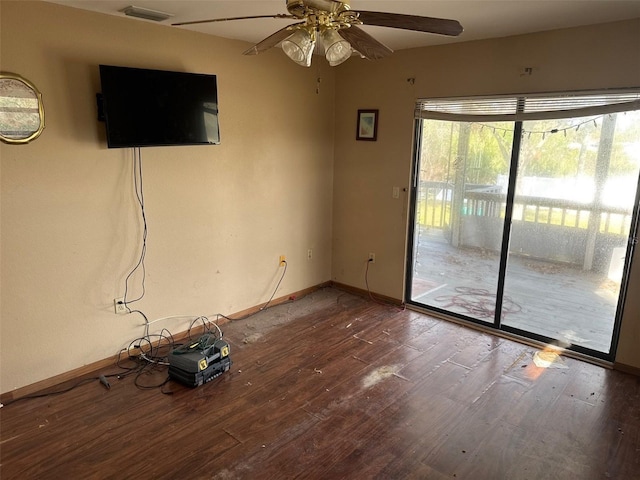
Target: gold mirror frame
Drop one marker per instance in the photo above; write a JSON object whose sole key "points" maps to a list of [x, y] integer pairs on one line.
{"points": [[21, 110]]}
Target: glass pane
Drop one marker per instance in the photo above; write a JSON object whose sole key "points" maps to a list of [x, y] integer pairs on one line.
{"points": [[460, 205], [575, 192]]}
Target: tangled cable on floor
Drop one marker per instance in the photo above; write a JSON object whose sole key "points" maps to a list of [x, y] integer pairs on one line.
{"points": [[478, 302]]}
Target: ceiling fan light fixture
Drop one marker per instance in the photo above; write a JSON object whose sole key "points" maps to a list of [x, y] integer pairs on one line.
{"points": [[299, 47], [336, 48]]}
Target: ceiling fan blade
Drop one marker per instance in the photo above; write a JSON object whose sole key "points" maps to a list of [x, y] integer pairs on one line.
{"points": [[441, 26], [272, 40], [364, 43], [194, 22]]}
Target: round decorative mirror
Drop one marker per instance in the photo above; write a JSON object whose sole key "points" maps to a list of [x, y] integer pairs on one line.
{"points": [[21, 109]]}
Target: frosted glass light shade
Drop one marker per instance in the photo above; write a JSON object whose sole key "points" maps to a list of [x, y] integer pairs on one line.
{"points": [[336, 48], [299, 47]]}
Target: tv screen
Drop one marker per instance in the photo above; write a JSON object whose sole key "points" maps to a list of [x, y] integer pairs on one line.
{"points": [[144, 108]]}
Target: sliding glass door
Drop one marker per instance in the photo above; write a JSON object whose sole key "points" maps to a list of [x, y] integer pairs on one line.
{"points": [[462, 173], [527, 225]]}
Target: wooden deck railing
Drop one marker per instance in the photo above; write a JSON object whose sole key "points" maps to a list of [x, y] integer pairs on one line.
{"points": [[434, 209]]}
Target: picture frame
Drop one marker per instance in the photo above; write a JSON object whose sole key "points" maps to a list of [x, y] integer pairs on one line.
{"points": [[367, 125]]}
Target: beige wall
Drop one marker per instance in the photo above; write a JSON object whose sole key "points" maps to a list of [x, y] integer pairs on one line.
{"points": [[218, 216], [368, 219]]}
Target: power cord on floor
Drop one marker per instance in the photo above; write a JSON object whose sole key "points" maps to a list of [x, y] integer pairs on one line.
{"points": [[148, 347], [403, 306], [265, 306], [146, 355], [102, 378]]}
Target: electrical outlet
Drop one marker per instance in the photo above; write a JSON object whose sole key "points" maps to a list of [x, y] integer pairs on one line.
{"points": [[372, 257], [309, 254], [282, 261], [119, 306]]}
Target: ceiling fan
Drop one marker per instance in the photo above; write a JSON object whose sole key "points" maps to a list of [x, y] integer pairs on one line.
{"points": [[336, 25]]}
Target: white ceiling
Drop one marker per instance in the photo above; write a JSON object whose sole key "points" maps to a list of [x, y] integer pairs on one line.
{"points": [[480, 18]]}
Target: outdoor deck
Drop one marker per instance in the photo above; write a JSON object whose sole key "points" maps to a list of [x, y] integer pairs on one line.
{"points": [[559, 301]]}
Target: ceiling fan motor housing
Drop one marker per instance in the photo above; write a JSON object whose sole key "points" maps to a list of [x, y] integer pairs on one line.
{"points": [[300, 8]]}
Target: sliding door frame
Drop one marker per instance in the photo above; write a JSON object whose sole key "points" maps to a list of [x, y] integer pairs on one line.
{"points": [[497, 325]]}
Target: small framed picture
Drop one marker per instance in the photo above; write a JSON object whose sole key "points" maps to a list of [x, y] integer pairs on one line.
{"points": [[367, 125]]}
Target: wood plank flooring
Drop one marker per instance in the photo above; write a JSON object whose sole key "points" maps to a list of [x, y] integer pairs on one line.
{"points": [[337, 386], [557, 301]]}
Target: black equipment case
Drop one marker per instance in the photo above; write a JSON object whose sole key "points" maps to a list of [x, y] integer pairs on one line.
{"points": [[199, 362]]}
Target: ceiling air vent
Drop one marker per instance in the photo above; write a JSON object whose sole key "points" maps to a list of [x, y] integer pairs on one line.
{"points": [[145, 13]]}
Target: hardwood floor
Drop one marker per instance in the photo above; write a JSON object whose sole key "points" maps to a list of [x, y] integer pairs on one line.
{"points": [[337, 386]]}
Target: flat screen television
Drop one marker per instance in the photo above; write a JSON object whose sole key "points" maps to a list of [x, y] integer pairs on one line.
{"points": [[144, 108]]}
